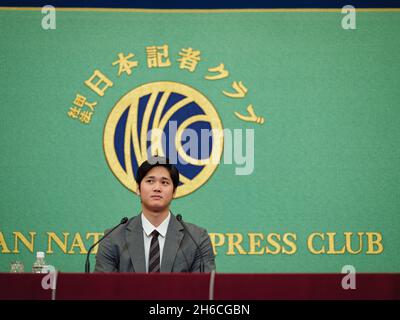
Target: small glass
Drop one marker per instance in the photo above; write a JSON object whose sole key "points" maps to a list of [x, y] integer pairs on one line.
{"points": [[16, 267]]}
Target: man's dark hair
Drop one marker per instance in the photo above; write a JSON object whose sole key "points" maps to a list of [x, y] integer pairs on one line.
{"points": [[156, 161]]}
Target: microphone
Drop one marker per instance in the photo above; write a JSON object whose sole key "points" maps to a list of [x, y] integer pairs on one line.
{"points": [[179, 218], [87, 264]]}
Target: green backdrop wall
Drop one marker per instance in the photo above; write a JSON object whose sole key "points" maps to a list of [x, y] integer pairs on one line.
{"points": [[326, 158]]}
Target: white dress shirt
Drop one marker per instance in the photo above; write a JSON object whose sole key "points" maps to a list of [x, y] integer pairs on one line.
{"points": [[148, 228]]}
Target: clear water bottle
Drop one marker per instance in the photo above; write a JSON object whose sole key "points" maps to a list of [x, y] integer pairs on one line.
{"points": [[39, 263]]}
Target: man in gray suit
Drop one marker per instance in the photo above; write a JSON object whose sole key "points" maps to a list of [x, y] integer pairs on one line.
{"points": [[155, 240]]}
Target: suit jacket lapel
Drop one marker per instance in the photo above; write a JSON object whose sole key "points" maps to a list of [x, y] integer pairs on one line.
{"points": [[135, 243], [172, 242]]}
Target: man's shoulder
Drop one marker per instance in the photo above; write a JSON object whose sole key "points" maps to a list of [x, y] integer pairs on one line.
{"points": [[195, 229], [121, 229]]}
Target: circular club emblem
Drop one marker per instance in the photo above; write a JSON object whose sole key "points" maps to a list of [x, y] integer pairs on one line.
{"points": [[167, 119]]}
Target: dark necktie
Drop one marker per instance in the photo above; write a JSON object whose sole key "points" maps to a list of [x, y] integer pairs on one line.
{"points": [[154, 255]]}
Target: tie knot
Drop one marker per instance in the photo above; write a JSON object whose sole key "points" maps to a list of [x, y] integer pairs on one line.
{"points": [[155, 233]]}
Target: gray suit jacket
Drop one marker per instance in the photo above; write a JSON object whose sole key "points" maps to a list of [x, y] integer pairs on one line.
{"points": [[123, 249]]}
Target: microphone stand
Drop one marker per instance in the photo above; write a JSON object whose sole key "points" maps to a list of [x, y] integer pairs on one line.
{"points": [[87, 264]]}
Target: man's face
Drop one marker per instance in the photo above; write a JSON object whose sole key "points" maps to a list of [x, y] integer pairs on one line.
{"points": [[156, 189]]}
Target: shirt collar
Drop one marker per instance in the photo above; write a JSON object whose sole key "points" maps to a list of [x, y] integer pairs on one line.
{"points": [[162, 228]]}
